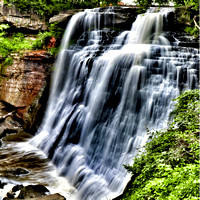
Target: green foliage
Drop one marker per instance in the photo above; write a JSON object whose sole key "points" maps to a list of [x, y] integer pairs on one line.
{"points": [[192, 31], [48, 8], [45, 8], [168, 168], [42, 40], [8, 61], [17, 41], [178, 183], [56, 30], [186, 112], [12, 44]]}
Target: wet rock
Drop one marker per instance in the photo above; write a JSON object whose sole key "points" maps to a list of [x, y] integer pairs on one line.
{"points": [[9, 126], [2, 184], [124, 16], [21, 89], [10, 196], [33, 191], [50, 197], [12, 173], [20, 171], [26, 192], [17, 137], [17, 188], [47, 197]]}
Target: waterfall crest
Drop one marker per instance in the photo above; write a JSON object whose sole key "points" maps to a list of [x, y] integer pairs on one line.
{"points": [[107, 88]]}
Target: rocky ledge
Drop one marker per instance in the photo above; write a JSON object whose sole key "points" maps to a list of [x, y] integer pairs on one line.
{"points": [[11, 15], [23, 86]]}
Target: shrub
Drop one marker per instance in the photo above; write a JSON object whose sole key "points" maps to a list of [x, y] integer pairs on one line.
{"points": [[168, 168]]}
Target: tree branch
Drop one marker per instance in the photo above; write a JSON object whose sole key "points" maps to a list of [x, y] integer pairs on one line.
{"points": [[194, 19]]}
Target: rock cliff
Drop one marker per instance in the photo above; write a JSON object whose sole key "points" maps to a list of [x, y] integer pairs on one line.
{"points": [[22, 88], [11, 15]]}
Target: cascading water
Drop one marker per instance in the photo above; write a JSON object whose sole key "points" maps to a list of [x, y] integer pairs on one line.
{"points": [[106, 89]]}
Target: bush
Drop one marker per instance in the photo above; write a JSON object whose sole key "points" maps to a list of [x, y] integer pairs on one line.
{"points": [[11, 44], [18, 42], [168, 168]]}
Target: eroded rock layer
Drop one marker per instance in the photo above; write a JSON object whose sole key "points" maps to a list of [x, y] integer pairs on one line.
{"points": [[21, 87], [11, 15]]}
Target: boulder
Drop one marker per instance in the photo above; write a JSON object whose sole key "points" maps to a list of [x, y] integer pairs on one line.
{"points": [[2, 184], [32, 192], [49, 197]]}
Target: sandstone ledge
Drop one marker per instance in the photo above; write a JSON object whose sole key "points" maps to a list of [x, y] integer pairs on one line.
{"points": [[22, 86], [12, 16]]}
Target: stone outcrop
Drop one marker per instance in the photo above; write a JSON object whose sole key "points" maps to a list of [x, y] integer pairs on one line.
{"points": [[12, 16], [124, 16], [64, 16], [32, 192], [22, 88]]}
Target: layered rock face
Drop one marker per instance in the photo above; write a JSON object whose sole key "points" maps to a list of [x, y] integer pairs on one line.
{"points": [[22, 87], [12, 16]]}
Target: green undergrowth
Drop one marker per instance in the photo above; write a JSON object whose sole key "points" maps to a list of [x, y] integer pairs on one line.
{"points": [[11, 43], [18, 41], [168, 167], [49, 8]]}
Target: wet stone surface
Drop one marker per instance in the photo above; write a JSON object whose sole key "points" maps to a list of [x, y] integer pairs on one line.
{"points": [[21, 164]]}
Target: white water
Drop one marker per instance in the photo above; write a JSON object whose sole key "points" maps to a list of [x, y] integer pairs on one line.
{"points": [[104, 94], [22, 155]]}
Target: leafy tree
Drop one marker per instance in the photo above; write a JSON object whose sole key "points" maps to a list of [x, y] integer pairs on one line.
{"points": [[44, 8], [48, 8]]}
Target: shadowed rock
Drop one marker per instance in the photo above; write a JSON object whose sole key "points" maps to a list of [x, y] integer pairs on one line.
{"points": [[32, 192]]}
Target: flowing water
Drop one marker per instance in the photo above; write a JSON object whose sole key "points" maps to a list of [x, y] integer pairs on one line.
{"points": [[21, 163], [108, 87], [105, 92]]}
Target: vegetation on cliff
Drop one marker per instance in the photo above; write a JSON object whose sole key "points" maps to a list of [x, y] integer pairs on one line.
{"points": [[168, 167], [48, 8], [189, 18], [17, 42]]}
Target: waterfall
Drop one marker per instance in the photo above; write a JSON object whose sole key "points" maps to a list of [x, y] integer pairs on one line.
{"points": [[108, 87]]}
